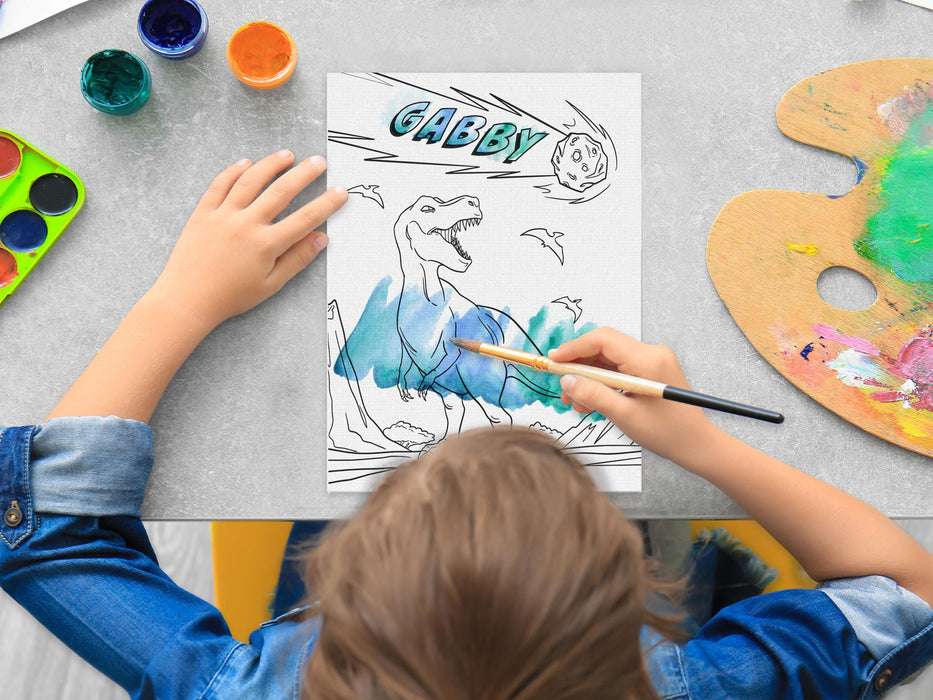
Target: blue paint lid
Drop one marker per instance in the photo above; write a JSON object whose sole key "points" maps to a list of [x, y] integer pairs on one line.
{"points": [[174, 29]]}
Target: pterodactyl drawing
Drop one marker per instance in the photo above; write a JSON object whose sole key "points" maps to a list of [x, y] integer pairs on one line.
{"points": [[368, 192], [548, 240], [572, 304]]}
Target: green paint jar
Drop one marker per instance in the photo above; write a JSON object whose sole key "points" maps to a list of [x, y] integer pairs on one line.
{"points": [[116, 82]]}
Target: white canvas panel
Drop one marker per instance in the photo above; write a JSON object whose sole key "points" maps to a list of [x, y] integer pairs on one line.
{"points": [[503, 208]]}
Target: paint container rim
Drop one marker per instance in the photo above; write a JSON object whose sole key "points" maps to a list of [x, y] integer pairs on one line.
{"points": [[264, 83], [140, 97], [18, 161], [180, 52]]}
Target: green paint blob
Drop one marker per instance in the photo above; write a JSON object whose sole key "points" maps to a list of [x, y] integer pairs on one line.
{"points": [[899, 235], [116, 82]]}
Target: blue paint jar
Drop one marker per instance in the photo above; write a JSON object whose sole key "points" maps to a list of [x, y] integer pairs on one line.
{"points": [[174, 29], [116, 82]]}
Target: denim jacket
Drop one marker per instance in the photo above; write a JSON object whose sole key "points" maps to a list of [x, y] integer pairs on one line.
{"points": [[76, 556]]}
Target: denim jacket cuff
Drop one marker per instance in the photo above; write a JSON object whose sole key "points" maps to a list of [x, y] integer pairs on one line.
{"points": [[883, 614], [90, 465]]}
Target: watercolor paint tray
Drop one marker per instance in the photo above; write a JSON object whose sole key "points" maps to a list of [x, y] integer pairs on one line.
{"points": [[38, 199]]}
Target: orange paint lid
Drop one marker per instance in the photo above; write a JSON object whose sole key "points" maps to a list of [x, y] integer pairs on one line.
{"points": [[262, 55]]}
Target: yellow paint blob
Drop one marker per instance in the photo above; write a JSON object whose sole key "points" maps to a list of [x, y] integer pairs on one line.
{"points": [[808, 248]]}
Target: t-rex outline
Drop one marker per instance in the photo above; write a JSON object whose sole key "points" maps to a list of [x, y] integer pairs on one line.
{"points": [[431, 311]]}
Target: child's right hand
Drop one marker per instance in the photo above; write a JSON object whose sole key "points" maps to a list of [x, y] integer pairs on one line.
{"points": [[671, 429], [232, 255], [831, 534]]}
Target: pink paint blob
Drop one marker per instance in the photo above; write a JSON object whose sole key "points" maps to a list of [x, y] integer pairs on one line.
{"points": [[889, 396], [915, 363], [830, 333], [915, 359]]}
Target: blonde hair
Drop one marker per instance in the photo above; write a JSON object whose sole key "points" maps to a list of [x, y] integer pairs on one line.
{"points": [[490, 569]]}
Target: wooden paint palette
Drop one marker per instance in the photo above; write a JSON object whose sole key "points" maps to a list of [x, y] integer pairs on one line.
{"points": [[766, 249], [38, 199]]}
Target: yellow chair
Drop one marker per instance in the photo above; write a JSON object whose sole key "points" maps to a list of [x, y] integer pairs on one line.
{"points": [[247, 558], [757, 539]]}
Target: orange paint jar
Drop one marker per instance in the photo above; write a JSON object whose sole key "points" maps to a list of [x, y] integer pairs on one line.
{"points": [[262, 55]]}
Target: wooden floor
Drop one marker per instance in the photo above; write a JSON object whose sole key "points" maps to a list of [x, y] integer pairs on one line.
{"points": [[36, 666]]}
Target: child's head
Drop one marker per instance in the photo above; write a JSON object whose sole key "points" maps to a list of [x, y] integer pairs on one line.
{"points": [[490, 568]]}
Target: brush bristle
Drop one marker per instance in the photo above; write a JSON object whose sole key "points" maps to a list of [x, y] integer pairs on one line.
{"points": [[466, 344]]}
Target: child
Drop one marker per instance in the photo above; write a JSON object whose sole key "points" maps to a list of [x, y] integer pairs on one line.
{"points": [[489, 569]]}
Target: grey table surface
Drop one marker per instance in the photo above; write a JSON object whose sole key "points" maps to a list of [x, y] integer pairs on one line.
{"points": [[240, 431]]}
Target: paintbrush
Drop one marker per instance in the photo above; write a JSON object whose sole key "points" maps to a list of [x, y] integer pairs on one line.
{"points": [[617, 380]]}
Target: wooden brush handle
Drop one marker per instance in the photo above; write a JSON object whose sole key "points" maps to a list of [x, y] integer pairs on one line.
{"points": [[617, 380]]}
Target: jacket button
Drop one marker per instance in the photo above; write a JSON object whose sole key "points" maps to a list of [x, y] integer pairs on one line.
{"points": [[882, 680], [13, 515]]}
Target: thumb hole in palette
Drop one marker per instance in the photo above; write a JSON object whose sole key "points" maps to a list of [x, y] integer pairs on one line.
{"points": [[846, 289]]}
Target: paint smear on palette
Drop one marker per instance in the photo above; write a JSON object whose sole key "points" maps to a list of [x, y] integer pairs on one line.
{"points": [[908, 379], [805, 248], [899, 235], [802, 359], [915, 365], [859, 370], [899, 112], [826, 331], [903, 383]]}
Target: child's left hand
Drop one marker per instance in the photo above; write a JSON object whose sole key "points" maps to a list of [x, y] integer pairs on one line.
{"points": [[230, 257]]}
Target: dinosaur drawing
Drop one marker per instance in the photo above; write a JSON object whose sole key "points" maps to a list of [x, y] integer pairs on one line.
{"points": [[431, 311]]}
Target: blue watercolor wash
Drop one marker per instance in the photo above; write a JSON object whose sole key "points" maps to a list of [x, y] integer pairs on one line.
{"points": [[174, 29], [374, 346], [23, 230]]}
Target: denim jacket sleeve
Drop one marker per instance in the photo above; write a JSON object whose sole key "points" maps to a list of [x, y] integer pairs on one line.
{"points": [[76, 556], [894, 625], [852, 638]]}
